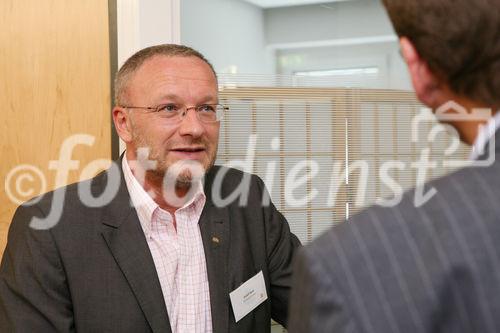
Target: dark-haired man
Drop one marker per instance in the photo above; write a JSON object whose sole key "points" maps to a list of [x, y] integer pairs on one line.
{"points": [[435, 268], [165, 252]]}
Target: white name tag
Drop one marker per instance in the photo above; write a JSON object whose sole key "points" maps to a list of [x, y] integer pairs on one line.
{"points": [[248, 296]]}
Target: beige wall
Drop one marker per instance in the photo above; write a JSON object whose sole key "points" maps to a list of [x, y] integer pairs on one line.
{"points": [[54, 83]]}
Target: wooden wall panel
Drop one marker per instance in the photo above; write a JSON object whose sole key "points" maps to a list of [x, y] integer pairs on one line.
{"points": [[54, 83]]}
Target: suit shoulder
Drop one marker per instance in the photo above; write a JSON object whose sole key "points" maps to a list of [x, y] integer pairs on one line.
{"points": [[65, 199], [68, 192], [427, 197], [230, 172], [231, 176], [452, 201]]}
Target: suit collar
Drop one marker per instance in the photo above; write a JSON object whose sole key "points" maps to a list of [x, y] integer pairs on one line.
{"points": [[215, 232], [127, 243], [116, 212], [496, 139], [485, 155], [486, 133], [145, 205]]}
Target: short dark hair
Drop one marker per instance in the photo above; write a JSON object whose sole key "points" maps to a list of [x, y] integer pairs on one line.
{"points": [[459, 40], [133, 63]]}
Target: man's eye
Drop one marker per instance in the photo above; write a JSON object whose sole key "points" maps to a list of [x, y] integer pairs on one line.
{"points": [[206, 108], [168, 108]]}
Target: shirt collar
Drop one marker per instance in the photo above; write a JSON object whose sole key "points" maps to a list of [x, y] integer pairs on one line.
{"points": [[486, 132], [144, 203]]}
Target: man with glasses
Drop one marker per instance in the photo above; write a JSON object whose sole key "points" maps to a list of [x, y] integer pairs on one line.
{"points": [[167, 253], [431, 266]]}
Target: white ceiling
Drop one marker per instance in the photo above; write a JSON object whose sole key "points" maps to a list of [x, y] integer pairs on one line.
{"points": [[287, 3]]}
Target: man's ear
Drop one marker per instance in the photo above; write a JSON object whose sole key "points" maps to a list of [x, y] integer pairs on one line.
{"points": [[426, 84], [122, 123]]}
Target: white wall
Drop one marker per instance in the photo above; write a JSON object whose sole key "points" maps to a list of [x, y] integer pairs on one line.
{"points": [[246, 39], [159, 22], [334, 20], [143, 23], [385, 56], [331, 35], [230, 33]]}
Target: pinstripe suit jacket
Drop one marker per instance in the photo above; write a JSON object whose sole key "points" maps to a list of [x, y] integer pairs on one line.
{"points": [[404, 269]]}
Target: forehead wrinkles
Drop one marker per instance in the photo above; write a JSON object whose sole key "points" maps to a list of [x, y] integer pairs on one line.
{"points": [[177, 69], [179, 80], [181, 86], [181, 76]]}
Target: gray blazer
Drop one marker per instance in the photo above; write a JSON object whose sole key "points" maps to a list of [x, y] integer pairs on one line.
{"points": [[404, 269], [93, 271]]}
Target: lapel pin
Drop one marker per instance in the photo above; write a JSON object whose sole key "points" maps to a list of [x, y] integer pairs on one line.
{"points": [[215, 240]]}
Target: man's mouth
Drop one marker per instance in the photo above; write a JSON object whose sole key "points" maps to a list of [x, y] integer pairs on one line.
{"points": [[188, 153], [188, 149]]}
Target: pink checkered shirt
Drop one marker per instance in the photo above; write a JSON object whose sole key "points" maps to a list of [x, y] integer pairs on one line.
{"points": [[178, 256]]}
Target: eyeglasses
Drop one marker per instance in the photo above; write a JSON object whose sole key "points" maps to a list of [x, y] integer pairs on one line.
{"points": [[207, 113]]}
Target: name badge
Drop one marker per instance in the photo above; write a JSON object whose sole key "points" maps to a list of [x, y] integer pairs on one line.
{"points": [[248, 296]]}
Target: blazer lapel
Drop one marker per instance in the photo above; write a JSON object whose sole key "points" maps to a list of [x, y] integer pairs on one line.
{"points": [[488, 149], [214, 226], [127, 243]]}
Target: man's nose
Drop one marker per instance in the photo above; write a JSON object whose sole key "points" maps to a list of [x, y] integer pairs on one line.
{"points": [[190, 124]]}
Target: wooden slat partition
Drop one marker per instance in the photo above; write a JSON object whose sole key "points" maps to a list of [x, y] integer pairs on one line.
{"points": [[358, 124]]}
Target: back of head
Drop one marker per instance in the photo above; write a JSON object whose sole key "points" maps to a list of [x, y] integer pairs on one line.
{"points": [[459, 40]]}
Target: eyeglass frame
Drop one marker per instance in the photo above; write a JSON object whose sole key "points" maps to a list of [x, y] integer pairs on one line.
{"points": [[156, 109]]}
